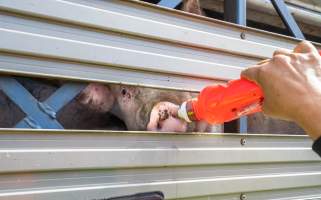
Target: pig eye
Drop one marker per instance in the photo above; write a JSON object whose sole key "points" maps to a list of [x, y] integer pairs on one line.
{"points": [[123, 91]]}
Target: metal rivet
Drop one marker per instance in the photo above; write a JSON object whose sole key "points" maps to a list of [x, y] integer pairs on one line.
{"points": [[243, 197], [243, 141], [243, 36]]}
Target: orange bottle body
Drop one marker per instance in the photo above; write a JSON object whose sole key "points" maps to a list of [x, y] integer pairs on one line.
{"points": [[218, 104]]}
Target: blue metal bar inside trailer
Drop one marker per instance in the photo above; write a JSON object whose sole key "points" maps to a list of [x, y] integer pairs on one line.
{"points": [[287, 18], [35, 118], [169, 3], [64, 95], [39, 114], [235, 12], [53, 104]]}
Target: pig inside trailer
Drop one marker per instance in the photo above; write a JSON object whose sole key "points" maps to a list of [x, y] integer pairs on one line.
{"points": [[110, 107], [125, 107]]}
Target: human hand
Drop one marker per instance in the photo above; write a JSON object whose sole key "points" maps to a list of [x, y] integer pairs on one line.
{"points": [[291, 82]]}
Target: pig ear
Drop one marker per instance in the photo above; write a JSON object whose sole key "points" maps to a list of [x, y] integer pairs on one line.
{"points": [[97, 96], [192, 6]]}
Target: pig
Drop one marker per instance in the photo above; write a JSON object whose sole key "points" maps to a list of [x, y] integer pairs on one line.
{"points": [[141, 108], [152, 109], [107, 107]]}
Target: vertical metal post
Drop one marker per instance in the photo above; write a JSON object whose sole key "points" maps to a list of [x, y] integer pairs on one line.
{"points": [[287, 18], [235, 11]]}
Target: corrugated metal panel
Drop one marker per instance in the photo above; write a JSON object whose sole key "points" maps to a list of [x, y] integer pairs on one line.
{"points": [[91, 165], [108, 39], [135, 43]]}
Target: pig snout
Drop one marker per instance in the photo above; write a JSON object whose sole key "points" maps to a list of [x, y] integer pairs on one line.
{"points": [[163, 117]]}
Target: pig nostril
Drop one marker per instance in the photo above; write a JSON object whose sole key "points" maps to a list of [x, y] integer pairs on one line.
{"points": [[163, 114], [166, 114], [123, 91]]}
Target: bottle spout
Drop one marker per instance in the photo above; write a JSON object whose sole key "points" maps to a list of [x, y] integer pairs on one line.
{"points": [[182, 113], [186, 111]]}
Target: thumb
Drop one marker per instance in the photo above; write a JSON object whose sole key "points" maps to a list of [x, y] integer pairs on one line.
{"points": [[251, 73]]}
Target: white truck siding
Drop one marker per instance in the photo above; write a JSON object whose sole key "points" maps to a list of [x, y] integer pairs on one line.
{"points": [[135, 43]]}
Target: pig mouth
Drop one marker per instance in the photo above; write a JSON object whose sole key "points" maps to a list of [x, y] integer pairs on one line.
{"points": [[163, 118]]}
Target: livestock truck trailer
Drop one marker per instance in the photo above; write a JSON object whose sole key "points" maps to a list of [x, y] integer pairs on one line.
{"points": [[139, 44]]}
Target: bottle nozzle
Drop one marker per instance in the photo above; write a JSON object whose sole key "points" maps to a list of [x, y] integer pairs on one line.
{"points": [[186, 111], [182, 113]]}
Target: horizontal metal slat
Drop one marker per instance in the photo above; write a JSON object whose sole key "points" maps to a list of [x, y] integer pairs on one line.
{"points": [[173, 189], [80, 33], [63, 159], [97, 155], [16, 65], [99, 54], [210, 164], [94, 16]]}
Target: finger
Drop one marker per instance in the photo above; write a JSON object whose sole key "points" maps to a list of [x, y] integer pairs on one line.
{"points": [[263, 62], [305, 47], [285, 52], [251, 73], [280, 60]]}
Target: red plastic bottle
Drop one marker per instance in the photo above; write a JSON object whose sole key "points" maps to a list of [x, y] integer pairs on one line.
{"points": [[217, 104]]}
